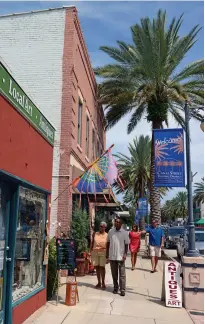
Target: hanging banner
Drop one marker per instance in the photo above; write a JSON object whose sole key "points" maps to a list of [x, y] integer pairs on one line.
{"points": [[137, 217], [142, 207], [169, 157]]}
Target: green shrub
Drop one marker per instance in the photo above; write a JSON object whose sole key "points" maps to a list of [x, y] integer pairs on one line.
{"points": [[80, 229], [52, 269]]}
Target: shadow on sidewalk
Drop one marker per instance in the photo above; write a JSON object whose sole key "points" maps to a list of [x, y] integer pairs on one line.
{"points": [[128, 290], [140, 269]]}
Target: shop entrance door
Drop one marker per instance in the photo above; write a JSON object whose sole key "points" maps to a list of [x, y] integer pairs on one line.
{"points": [[7, 233]]}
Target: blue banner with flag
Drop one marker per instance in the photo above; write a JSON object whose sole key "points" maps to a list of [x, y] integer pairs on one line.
{"points": [[169, 157], [137, 217], [142, 207]]}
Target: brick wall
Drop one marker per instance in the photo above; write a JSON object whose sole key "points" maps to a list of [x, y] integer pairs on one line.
{"points": [[78, 82], [65, 198], [85, 84]]}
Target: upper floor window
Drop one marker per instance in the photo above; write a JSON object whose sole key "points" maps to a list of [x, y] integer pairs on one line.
{"points": [[98, 149], [87, 136], [80, 111], [93, 145]]}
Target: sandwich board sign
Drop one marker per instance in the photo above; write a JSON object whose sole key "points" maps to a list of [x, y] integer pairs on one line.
{"points": [[173, 289]]}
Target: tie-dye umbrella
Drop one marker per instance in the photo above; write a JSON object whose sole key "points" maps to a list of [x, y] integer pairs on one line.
{"points": [[100, 175]]}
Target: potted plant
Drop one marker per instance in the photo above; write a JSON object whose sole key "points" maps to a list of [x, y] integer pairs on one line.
{"points": [[80, 227]]}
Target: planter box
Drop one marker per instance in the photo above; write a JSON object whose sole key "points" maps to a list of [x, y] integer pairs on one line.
{"points": [[80, 264]]}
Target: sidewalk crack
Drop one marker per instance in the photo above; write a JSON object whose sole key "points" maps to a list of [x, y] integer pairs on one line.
{"points": [[111, 306], [65, 317]]}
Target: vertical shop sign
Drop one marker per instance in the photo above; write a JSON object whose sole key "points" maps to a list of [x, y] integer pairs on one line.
{"points": [[173, 291]]}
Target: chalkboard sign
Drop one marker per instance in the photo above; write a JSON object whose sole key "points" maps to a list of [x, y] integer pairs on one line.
{"points": [[65, 254]]}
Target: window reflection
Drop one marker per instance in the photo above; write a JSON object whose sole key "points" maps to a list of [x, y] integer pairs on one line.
{"points": [[28, 264], [2, 241]]}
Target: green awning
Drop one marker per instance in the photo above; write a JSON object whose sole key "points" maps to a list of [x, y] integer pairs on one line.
{"points": [[200, 222]]}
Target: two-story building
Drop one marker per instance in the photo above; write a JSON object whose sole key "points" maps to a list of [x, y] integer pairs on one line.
{"points": [[46, 51]]}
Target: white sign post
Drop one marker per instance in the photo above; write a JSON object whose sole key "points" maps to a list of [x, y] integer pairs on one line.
{"points": [[173, 290]]}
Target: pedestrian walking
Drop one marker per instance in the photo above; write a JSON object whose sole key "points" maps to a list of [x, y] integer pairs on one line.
{"points": [[156, 243], [117, 247], [98, 249], [135, 240]]}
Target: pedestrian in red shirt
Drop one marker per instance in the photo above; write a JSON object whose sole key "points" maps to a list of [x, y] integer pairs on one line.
{"points": [[135, 237]]}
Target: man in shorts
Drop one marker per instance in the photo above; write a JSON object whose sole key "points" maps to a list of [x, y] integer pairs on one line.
{"points": [[156, 243]]}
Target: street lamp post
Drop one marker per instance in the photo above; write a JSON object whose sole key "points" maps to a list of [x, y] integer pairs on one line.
{"points": [[192, 252]]}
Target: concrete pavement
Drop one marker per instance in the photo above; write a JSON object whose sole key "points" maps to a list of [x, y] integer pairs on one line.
{"points": [[141, 305]]}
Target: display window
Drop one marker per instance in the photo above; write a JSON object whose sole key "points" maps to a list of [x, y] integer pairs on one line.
{"points": [[29, 247], [2, 241]]}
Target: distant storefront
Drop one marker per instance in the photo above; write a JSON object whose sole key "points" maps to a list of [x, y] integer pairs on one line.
{"points": [[26, 153]]}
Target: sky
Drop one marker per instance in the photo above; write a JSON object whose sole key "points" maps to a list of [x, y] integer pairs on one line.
{"points": [[103, 23]]}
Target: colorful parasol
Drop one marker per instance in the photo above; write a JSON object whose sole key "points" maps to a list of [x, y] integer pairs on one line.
{"points": [[100, 175]]}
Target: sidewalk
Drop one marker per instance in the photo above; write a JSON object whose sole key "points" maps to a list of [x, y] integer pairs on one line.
{"points": [[141, 305]]}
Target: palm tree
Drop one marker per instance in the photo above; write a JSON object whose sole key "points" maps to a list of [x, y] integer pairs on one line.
{"points": [[146, 81], [135, 169], [180, 204], [199, 191], [176, 207], [167, 211], [135, 172]]}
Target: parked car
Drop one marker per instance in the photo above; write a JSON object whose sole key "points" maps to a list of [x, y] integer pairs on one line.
{"points": [[182, 245], [172, 236]]}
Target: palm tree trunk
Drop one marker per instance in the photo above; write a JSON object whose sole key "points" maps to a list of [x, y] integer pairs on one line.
{"points": [[155, 209]]}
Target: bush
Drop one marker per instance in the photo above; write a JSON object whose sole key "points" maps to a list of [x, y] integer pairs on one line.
{"points": [[52, 269], [80, 229]]}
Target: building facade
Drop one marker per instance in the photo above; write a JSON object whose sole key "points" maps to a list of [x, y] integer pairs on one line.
{"points": [[46, 51], [198, 210], [26, 158]]}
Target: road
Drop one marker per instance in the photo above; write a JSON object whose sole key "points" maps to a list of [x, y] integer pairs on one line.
{"points": [[171, 254]]}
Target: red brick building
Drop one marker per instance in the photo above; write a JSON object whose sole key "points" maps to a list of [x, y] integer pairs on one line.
{"points": [[55, 69], [26, 155]]}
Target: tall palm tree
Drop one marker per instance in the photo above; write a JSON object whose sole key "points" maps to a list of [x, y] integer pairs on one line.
{"points": [[145, 80], [199, 191]]}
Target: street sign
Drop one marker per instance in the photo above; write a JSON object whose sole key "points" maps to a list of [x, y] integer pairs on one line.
{"points": [[173, 290]]}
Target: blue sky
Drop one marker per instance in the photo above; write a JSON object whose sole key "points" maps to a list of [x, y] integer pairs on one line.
{"points": [[105, 22]]}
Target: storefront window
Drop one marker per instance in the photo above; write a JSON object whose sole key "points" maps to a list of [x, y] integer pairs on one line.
{"points": [[28, 266]]}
